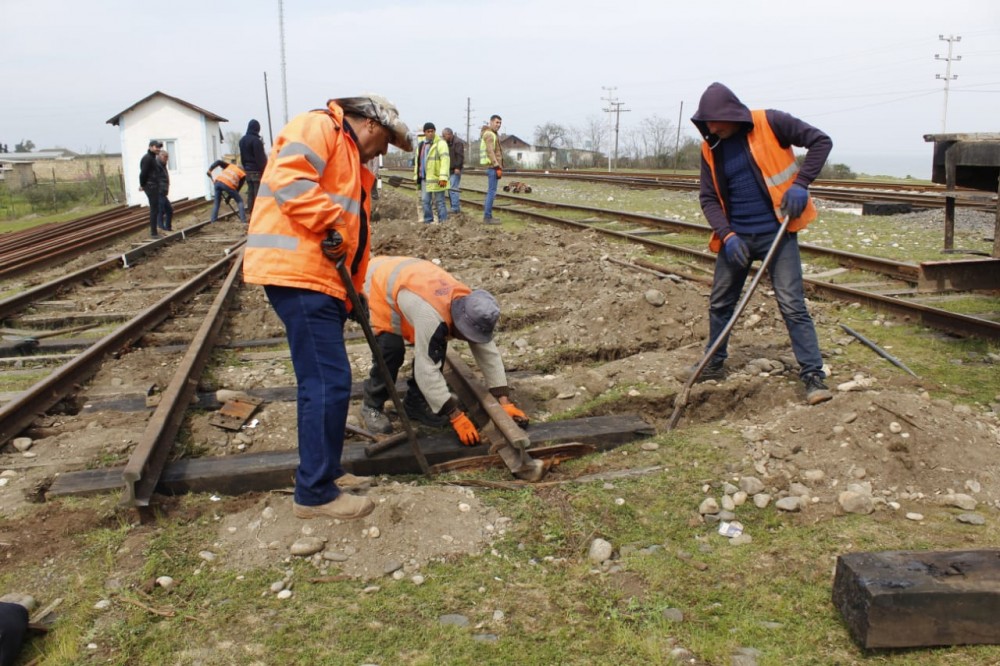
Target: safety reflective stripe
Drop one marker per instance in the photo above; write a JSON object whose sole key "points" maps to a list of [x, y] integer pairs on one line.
{"points": [[297, 148], [390, 288], [264, 191], [272, 241], [349, 204], [779, 178]]}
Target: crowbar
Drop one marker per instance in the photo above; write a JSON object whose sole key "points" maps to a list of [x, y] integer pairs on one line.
{"points": [[681, 400], [878, 350], [366, 326]]}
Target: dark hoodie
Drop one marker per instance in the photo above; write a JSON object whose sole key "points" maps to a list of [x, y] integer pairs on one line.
{"points": [[252, 153], [719, 103]]}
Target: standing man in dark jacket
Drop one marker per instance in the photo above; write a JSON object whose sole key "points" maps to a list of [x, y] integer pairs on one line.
{"points": [[749, 182], [166, 216], [254, 160], [456, 151], [149, 183]]}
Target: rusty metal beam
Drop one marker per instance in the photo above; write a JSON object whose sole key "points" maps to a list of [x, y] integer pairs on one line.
{"points": [[142, 472]]}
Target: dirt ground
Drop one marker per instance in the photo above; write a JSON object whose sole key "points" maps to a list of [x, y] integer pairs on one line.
{"points": [[575, 325]]}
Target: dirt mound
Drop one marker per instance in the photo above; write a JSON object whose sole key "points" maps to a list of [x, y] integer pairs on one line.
{"points": [[411, 526]]}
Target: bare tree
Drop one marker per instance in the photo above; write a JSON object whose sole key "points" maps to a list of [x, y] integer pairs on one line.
{"points": [[550, 136], [233, 142], [656, 141]]}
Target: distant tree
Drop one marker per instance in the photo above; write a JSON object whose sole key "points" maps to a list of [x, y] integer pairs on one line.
{"points": [[26, 146], [233, 142], [656, 135], [551, 136]]}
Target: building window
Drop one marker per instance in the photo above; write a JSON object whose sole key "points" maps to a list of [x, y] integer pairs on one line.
{"points": [[170, 145]]}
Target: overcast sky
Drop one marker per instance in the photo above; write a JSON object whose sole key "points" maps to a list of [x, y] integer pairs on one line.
{"points": [[864, 72]]}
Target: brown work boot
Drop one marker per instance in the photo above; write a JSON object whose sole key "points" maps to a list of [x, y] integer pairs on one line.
{"points": [[375, 420], [712, 370], [353, 482], [816, 390], [345, 507]]}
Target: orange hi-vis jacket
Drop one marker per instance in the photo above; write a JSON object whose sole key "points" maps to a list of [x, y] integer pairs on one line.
{"points": [[387, 275], [777, 166], [232, 176], [314, 182]]}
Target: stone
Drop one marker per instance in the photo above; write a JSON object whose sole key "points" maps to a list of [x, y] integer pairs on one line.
{"points": [[751, 485], [600, 551], [852, 502], [306, 546]]}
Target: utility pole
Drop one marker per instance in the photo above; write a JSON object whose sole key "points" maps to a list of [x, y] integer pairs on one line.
{"points": [[468, 130], [618, 113], [677, 143], [284, 78], [948, 77], [610, 99]]}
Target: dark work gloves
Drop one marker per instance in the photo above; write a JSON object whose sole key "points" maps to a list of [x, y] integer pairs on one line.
{"points": [[333, 246], [794, 201], [737, 252]]}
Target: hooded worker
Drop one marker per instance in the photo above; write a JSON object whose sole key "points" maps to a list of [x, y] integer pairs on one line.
{"points": [[313, 212], [413, 301], [750, 181], [253, 157]]}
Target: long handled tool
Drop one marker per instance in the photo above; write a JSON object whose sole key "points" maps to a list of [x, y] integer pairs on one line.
{"points": [[681, 400], [390, 384]]}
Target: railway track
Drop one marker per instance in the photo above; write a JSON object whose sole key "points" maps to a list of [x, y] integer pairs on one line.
{"points": [[55, 243], [881, 284], [847, 191]]}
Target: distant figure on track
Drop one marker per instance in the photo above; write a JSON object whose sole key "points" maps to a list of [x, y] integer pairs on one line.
{"points": [[166, 216], [313, 211], [456, 153], [253, 157], [149, 184], [749, 182], [491, 157], [227, 182]]}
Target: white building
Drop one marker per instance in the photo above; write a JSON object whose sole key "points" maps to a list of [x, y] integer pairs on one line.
{"points": [[192, 136]]}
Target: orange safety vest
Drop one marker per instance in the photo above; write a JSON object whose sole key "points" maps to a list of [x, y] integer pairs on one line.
{"points": [[314, 182], [232, 176], [387, 275], [776, 164]]}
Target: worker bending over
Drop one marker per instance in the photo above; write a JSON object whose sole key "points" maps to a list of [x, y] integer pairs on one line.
{"points": [[414, 301]]}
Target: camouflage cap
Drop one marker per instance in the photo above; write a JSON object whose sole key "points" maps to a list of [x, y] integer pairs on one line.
{"points": [[384, 112]]}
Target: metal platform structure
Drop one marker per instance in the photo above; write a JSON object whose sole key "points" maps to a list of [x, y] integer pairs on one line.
{"points": [[969, 161]]}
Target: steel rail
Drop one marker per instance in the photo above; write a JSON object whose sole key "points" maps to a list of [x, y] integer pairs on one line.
{"points": [[957, 324], [17, 302], [78, 242], [19, 413], [145, 465]]}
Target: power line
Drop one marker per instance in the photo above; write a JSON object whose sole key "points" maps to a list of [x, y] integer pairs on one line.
{"points": [[948, 76]]}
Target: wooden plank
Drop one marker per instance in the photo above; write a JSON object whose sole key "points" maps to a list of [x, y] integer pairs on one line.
{"points": [[903, 599], [276, 469]]}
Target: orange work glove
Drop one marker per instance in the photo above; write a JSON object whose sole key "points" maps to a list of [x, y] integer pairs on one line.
{"points": [[442, 183], [467, 432], [499, 173], [520, 418]]}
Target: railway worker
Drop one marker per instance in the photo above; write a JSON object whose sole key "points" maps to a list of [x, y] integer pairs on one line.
{"points": [[749, 181], [491, 157], [149, 184], [456, 154], [253, 157], [166, 214], [413, 301], [313, 210], [227, 183], [431, 169]]}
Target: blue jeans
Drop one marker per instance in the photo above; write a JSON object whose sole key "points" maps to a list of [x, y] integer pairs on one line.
{"points": [[166, 214], [454, 191], [314, 324], [438, 197], [220, 189], [786, 279], [491, 193]]}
